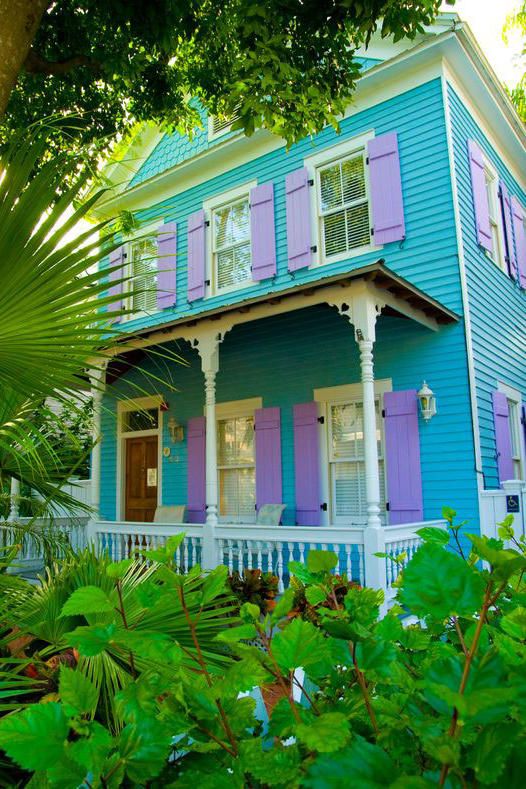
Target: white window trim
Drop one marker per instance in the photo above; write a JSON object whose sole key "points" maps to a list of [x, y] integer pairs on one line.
{"points": [[138, 403], [235, 409], [342, 394], [497, 259], [151, 229], [313, 163], [516, 397], [209, 206]]}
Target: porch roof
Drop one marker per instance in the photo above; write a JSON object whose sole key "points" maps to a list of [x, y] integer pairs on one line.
{"points": [[395, 295]]}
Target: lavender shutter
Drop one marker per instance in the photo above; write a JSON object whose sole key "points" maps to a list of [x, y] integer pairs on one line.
{"points": [[501, 416], [307, 464], [117, 258], [385, 185], [507, 221], [196, 255], [196, 442], [298, 219], [480, 196], [263, 236], [166, 266], [268, 456], [523, 422], [402, 457], [520, 239]]}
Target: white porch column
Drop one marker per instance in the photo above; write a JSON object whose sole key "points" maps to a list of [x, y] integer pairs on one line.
{"points": [[372, 476], [98, 378], [14, 503]]}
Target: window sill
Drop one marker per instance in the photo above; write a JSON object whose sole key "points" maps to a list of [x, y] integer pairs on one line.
{"points": [[355, 253]]}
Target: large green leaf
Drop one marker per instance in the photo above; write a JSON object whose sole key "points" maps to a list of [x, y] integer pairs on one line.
{"points": [[35, 738], [327, 733], [77, 691], [361, 764], [300, 644], [87, 600]]}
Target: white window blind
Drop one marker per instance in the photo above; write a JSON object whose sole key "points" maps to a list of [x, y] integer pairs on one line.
{"points": [[143, 269], [237, 468], [515, 433], [347, 461], [493, 205], [231, 244], [343, 205]]}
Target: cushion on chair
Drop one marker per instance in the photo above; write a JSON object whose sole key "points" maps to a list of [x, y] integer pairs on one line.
{"points": [[270, 514], [170, 513]]}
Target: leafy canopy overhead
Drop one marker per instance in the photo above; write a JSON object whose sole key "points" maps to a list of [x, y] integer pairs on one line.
{"points": [[289, 66]]}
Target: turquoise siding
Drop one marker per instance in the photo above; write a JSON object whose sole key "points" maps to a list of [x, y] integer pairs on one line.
{"points": [[497, 304], [282, 359], [427, 257]]}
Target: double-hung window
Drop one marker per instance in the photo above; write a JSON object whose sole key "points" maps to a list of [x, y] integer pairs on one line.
{"points": [[491, 181], [514, 422], [347, 461], [142, 260], [343, 205], [231, 253], [236, 468]]}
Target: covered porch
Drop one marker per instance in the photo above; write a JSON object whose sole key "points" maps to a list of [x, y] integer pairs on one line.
{"points": [[332, 498]]}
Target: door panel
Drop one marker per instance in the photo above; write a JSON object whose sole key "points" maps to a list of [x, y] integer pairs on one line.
{"points": [[141, 478]]}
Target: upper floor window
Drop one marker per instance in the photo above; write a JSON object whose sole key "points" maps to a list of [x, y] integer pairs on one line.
{"points": [[344, 205], [492, 189], [142, 257], [231, 245]]}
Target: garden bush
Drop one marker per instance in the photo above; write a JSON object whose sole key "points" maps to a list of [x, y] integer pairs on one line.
{"points": [[432, 694]]}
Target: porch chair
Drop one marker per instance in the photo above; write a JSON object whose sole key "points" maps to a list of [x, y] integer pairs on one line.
{"points": [[170, 513], [269, 514]]}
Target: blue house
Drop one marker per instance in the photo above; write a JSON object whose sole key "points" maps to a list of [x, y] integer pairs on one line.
{"points": [[337, 330]]}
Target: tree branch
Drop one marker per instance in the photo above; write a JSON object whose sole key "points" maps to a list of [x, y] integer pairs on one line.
{"points": [[36, 64]]}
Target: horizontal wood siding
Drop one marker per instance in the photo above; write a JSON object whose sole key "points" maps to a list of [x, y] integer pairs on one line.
{"points": [[497, 304]]}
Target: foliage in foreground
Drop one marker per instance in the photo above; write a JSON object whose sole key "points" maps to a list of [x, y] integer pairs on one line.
{"points": [[439, 702]]}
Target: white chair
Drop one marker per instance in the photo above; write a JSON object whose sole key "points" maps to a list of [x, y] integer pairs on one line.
{"points": [[270, 514], [170, 513]]}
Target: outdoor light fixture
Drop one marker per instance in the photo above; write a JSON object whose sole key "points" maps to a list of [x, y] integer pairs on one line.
{"points": [[176, 431], [428, 403]]}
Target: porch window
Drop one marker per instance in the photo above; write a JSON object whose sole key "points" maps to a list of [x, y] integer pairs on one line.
{"points": [[343, 205], [231, 245], [347, 461], [236, 468], [143, 270], [491, 180]]}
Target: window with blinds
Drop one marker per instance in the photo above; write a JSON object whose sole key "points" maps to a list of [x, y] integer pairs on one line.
{"points": [[143, 270], [346, 462], [491, 181], [231, 244], [514, 422], [236, 468], [344, 205]]}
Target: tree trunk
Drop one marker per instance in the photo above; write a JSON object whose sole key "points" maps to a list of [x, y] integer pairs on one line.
{"points": [[20, 20]]}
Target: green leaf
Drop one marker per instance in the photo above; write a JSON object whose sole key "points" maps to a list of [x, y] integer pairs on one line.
{"points": [[321, 561], [284, 605], [376, 655], [173, 543], [490, 751], [439, 584], [232, 634], [35, 738], [92, 750], [214, 584], [118, 570], [299, 644], [92, 639], [302, 573], [366, 765], [249, 612], [514, 623], [434, 534], [145, 747], [327, 733], [77, 691], [87, 600], [315, 595]]}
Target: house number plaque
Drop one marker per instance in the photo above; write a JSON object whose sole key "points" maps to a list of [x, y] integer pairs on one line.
{"points": [[151, 477]]}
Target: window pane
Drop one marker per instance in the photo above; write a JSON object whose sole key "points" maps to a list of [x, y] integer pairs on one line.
{"points": [[347, 431], [331, 187], [231, 224], [335, 233], [353, 178], [140, 420], [358, 232], [349, 489], [237, 492], [144, 273], [236, 441]]}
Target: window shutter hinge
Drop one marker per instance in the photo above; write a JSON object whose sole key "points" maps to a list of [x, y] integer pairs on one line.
{"points": [[311, 182], [124, 255], [321, 420], [372, 231], [207, 222], [387, 507], [366, 160], [323, 506], [207, 282], [314, 248], [383, 413]]}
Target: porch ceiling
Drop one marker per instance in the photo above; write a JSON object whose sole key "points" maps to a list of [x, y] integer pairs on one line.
{"points": [[395, 296]]}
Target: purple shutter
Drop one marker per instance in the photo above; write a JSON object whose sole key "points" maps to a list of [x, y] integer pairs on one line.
{"points": [[480, 196], [385, 184], [268, 456], [196, 442], [298, 219], [402, 457], [166, 266], [501, 415], [117, 264], [523, 421], [307, 464], [520, 239], [507, 221], [262, 231], [196, 256]]}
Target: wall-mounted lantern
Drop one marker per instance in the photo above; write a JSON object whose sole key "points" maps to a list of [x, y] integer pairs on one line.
{"points": [[428, 403], [176, 431]]}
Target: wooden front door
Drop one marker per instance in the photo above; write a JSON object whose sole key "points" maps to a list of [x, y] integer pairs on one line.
{"points": [[141, 478]]}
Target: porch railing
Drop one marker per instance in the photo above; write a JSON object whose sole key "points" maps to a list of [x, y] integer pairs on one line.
{"points": [[270, 548]]}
